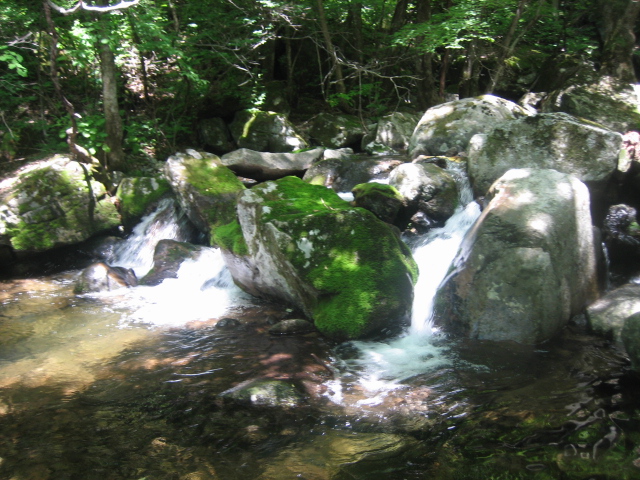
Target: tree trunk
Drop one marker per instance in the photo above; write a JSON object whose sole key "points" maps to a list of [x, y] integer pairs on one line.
{"points": [[427, 90], [617, 22], [335, 63]]}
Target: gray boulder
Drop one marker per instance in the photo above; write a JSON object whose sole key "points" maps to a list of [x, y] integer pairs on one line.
{"points": [[265, 132], [391, 134], [447, 128], [552, 140], [527, 265], [607, 102], [426, 188], [301, 244], [337, 131], [607, 315], [51, 203], [167, 258], [206, 190], [270, 166]]}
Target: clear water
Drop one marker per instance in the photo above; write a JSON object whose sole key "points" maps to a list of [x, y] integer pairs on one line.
{"points": [[125, 385]]}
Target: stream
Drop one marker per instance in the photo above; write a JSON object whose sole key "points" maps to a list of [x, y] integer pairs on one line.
{"points": [[126, 385]]}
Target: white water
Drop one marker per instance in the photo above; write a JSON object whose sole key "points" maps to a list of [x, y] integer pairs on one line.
{"points": [[381, 367], [202, 290]]}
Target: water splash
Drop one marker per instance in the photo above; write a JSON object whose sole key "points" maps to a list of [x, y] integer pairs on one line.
{"points": [[166, 222], [382, 367]]}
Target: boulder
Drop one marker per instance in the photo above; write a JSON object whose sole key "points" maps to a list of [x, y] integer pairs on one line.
{"points": [[136, 195], [215, 136], [528, 263], [167, 258], [384, 201], [391, 134], [270, 166], [301, 244], [342, 174], [100, 277], [337, 131], [265, 132], [52, 203], [447, 128], [428, 189], [608, 102], [607, 315], [550, 140], [206, 190], [621, 234]]}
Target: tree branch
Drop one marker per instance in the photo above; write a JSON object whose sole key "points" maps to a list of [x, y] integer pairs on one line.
{"points": [[81, 5]]}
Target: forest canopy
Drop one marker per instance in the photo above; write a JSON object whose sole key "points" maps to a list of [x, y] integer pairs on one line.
{"points": [[129, 79]]}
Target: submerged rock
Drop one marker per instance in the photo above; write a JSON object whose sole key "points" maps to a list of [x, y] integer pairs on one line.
{"points": [[292, 326], [264, 392], [302, 244], [528, 264], [100, 277], [52, 203], [551, 140], [447, 128], [341, 455]]}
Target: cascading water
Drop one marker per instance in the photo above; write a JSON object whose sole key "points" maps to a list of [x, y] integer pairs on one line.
{"points": [[203, 282], [381, 367]]}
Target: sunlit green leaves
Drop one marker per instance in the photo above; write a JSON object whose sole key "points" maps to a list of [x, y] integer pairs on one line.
{"points": [[13, 60]]}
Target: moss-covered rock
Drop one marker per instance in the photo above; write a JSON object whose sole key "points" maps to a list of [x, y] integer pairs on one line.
{"points": [[391, 134], [383, 200], [52, 203], [265, 132], [206, 190], [347, 270], [137, 194], [337, 131]]}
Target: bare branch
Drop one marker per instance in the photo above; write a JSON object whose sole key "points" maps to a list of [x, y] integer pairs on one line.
{"points": [[81, 5]]}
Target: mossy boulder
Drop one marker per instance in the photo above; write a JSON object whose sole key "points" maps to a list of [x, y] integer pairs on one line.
{"points": [[347, 270], [206, 190], [447, 128], [549, 140], [51, 203], [265, 132], [137, 194], [384, 201]]}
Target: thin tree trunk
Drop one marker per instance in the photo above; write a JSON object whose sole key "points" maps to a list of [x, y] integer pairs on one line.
{"points": [[335, 63], [77, 152]]}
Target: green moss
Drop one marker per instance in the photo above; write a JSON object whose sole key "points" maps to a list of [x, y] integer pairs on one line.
{"points": [[136, 194], [229, 237], [363, 271], [373, 188]]}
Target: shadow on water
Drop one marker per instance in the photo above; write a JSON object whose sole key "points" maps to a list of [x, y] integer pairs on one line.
{"points": [[85, 397]]}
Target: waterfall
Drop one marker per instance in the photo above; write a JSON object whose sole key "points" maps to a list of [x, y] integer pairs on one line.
{"points": [[438, 248], [381, 367], [166, 222]]}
